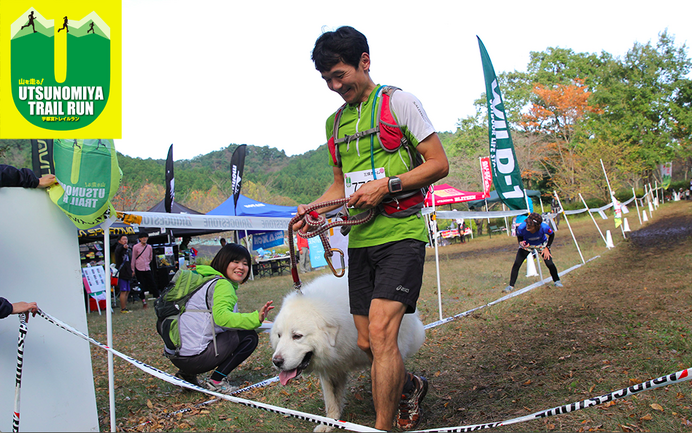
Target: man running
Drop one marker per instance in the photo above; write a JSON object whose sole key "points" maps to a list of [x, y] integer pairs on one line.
{"points": [[386, 255]]}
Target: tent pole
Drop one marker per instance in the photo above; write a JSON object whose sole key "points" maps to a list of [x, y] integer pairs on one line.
{"points": [[612, 198], [593, 219], [506, 226], [570, 227], [634, 194], [109, 317], [437, 256], [247, 245]]}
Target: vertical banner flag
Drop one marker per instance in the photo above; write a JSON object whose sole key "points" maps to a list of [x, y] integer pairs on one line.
{"points": [[170, 181], [487, 176], [42, 157], [61, 68], [503, 160], [666, 173], [237, 165], [88, 176]]}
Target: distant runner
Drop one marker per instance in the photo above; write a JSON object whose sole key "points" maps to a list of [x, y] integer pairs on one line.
{"points": [[534, 234]]}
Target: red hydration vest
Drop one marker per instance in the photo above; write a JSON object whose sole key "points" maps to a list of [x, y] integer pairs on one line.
{"points": [[391, 139]]}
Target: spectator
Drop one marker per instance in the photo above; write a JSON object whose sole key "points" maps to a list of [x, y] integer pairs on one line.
{"points": [[222, 241], [122, 262], [304, 251], [143, 254], [234, 338]]}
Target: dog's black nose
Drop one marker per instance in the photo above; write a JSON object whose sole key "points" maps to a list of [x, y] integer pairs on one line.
{"points": [[278, 361]]}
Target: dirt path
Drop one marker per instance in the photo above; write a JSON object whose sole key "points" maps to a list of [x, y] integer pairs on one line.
{"points": [[620, 320]]}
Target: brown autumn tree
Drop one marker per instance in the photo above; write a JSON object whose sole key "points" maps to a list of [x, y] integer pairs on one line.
{"points": [[554, 118]]}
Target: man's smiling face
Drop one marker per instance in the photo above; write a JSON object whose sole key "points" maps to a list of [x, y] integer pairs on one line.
{"points": [[352, 84]]}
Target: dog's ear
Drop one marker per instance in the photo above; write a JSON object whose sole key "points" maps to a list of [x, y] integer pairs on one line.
{"points": [[332, 331]]}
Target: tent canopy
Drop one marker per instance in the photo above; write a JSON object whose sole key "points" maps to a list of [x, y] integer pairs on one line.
{"points": [[253, 208], [447, 194], [494, 198]]}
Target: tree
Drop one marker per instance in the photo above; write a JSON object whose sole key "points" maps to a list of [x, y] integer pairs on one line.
{"points": [[555, 117], [643, 100]]}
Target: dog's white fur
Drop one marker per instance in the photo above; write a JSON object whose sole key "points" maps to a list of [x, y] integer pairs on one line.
{"points": [[318, 322]]}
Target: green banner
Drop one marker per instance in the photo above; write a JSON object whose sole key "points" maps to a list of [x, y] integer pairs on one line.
{"points": [[88, 177], [503, 160]]}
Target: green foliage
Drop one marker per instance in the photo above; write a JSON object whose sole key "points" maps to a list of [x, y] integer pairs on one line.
{"points": [[16, 153]]}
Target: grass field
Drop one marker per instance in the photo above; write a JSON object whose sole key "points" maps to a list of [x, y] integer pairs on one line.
{"points": [[621, 319]]}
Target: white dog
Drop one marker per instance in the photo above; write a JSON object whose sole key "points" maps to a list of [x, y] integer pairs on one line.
{"points": [[314, 332]]}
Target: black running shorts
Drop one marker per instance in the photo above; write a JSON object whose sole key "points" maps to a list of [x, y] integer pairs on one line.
{"points": [[389, 271]]}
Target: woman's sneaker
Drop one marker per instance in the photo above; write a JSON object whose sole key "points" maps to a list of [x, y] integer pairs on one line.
{"points": [[192, 378], [223, 387], [410, 411], [558, 283]]}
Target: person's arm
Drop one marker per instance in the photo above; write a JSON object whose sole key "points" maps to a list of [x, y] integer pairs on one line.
{"points": [[15, 177], [134, 258], [225, 299], [5, 308], [435, 167]]}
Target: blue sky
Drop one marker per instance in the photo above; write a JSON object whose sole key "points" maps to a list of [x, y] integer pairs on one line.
{"points": [[204, 74]]}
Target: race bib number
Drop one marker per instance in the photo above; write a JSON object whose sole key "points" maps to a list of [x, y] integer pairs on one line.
{"points": [[356, 179]]}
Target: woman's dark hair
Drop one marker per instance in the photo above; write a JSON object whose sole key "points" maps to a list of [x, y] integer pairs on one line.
{"points": [[344, 44], [534, 219], [228, 254]]}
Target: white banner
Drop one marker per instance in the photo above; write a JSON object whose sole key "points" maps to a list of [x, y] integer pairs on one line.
{"points": [[190, 221]]}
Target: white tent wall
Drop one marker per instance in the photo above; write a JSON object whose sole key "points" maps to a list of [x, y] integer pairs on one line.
{"points": [[39, 261]]}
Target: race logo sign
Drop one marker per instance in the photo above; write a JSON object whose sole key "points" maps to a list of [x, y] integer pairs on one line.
{"points": [[64, 69]]}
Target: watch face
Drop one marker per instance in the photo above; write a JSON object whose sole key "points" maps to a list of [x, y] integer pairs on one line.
{"points": [[394, 184]]}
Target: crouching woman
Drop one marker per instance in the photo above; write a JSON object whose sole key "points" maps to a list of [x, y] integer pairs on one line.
{"points": [[223, 343]]}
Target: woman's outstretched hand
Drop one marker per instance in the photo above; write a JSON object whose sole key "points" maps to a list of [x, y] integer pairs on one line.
{"points": [[266, 308]]}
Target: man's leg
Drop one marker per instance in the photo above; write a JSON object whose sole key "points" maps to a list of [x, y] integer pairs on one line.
{"points": [[388, 371]]}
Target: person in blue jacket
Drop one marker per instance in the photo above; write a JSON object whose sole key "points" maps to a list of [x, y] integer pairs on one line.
{"points": [[534, 234], [233, 337]]}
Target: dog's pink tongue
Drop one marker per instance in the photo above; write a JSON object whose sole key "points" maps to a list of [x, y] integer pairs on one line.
{"points": [[285, 376]]}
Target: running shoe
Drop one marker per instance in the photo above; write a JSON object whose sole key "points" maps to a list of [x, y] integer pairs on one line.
{"points": [[558, 283], [192, 378], [223, 387], [508, 289], [410, 412]]}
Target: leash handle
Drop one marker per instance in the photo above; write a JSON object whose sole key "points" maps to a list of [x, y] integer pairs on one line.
{"points": [[316, 222]]}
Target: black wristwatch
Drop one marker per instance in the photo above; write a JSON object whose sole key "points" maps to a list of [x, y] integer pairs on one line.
{"points": [[394, 185]]}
